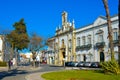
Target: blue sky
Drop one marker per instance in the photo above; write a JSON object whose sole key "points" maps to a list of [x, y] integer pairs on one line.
{"points": [[43, 16]]}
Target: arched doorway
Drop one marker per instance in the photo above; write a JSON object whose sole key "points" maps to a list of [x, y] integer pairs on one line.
{"points": [[102, 58], [63, 53]]}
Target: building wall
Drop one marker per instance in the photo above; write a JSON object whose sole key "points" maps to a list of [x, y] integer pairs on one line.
{"points": [[1, 49], [92, 29], [94, 43], [5, 49], [63, 39]]}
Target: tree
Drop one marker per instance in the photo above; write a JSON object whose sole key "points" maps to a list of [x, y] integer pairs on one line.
{"points": [[18, 38], [119, 32], [35, 42], [35, 45], [110, 37]]}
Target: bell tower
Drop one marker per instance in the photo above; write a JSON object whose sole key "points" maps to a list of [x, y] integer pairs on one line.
{"points": [[64, 18]]}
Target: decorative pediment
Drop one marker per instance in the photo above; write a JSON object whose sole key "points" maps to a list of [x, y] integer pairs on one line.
{"points": [[100, 20]]}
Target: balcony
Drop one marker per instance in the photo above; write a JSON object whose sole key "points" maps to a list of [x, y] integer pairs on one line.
{"points": [[115, 41], [88, 46], [77, 48], [100, 44], [83, 47]]}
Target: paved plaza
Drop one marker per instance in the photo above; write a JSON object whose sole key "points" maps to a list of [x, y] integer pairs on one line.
{"points": [[26, 72]]}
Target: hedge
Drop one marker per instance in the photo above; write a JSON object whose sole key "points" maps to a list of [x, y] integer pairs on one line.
{"points": [[3, 64]]}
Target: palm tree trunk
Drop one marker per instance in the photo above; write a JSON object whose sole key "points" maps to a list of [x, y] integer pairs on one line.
{"points": [[119, 33], [105, 2]]}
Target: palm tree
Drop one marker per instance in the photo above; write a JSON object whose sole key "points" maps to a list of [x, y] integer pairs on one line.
{"points": [[119, 32], [110, 37]]}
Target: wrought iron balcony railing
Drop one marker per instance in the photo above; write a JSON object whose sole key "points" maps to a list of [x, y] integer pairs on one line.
{"points": [[88, 46], [83, 47], [100, 44], [115, 41]]}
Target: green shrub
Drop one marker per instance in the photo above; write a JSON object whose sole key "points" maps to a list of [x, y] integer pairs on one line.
{"points": [[3, 64], [111, 66]]}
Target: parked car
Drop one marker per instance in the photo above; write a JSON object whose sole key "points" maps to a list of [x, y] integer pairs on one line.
{"points": [[74, 64], [68, 64], [81, 64], [87, 64], [71, 64], [95, 65]]}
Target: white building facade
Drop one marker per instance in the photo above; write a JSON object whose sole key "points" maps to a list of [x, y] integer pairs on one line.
{"points": [[88, 43], [5, 49], [93, 43], [1, 48]]}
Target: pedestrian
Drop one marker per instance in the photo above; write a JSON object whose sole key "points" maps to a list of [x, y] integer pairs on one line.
{"points": [[9, 65], [14, 63]]}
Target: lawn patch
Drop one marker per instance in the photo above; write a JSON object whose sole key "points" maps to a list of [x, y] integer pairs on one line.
{"points": [[79, 75]]}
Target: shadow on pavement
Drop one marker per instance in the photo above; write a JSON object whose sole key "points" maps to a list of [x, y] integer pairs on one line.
{"points": [[13, 72]]}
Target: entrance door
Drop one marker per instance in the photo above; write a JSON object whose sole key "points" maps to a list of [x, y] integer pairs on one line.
{"points": [[84, 57], [63, 61], [101, 57], [63, 53]]}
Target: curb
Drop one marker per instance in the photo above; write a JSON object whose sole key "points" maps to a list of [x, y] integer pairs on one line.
{"points": [[37, 76]]}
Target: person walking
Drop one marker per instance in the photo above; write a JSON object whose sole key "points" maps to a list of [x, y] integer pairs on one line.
{"points": [[9, 65]]}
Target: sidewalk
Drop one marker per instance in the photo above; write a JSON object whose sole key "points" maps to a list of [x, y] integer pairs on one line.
{"points": [[6, 68], [3, 69], [35, 76]]}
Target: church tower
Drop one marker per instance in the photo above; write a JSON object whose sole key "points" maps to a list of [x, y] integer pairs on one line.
{"points": [[64, 19]]}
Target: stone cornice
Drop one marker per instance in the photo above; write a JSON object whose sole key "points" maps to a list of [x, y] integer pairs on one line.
{"points": [[63, 33]]}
